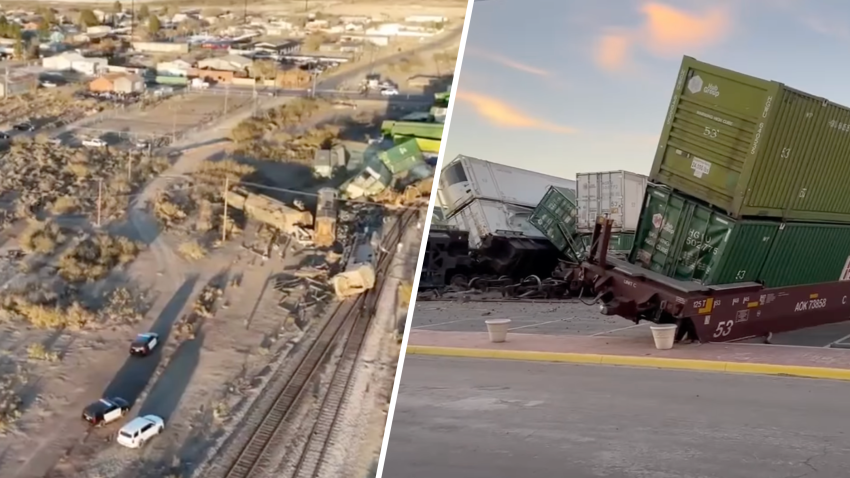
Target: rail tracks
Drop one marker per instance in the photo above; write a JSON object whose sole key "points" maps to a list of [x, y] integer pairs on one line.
{"points": [[351, 321]]}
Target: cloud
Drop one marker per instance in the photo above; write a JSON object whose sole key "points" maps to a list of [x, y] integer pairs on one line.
{"points": [[612, 51], [501, 114], [664, 32], [668, 31], [513, 64], [827, 27]]}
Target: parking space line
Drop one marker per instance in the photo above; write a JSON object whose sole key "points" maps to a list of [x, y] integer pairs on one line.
{"points": [[444, 323], [842, 339], [538, 324], [617, 330]]}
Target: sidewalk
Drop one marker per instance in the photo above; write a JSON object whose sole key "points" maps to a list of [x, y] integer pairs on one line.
{"points": [[638, 352]]}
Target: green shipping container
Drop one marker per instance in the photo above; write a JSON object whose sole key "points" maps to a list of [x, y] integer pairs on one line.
{"points": [[688, 241], [412, 128], [620, 242], [402, 157], [172, 80], [755, 148], [556, 214]]}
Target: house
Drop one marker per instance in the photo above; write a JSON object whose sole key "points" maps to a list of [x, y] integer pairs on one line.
{"points": [[176, 67], [426, 19], [232, 63], [327, 161], [356, 19], [124, 83], [285, 47], [316, 25], [73, 61]]}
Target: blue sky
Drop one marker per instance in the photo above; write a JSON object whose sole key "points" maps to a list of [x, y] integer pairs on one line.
{"points": [[566, 86]]}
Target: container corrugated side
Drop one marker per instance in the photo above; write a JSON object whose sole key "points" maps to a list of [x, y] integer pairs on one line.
{"points": [[755, 148], [806, 253], [554, 216], [619, 242]]}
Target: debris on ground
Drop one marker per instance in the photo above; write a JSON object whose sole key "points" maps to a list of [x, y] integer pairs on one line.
{"points": [[11, 385]]}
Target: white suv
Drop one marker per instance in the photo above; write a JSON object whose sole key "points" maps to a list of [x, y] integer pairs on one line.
{"points": [[139, 430], [94, 143]]}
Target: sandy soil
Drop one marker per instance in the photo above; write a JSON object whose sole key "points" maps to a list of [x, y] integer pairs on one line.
{"points": [[174, 114]]}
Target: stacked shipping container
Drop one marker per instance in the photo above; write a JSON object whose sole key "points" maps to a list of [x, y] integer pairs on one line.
{"points": [[751, 184]]}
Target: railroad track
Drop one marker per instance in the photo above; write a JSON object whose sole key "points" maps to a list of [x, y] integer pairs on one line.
{"points": [[351, 319], [321, 434]]}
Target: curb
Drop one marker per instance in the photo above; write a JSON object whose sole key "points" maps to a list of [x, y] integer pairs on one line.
{"points": [[634, 361]]}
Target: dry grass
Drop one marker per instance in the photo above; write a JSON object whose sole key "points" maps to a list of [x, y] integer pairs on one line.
{"points": [[94, 257], [10, 398], [37, 351], [41, 237], [169, 212], [192, 250], [66, 205], [46, 315]]}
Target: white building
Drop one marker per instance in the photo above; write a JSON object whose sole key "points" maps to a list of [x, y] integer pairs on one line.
{"points": [[173, 68], [426, 19], [234, 63], [72, 61]]}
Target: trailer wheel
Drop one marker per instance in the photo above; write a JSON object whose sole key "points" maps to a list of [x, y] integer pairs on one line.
{"points": [[459, 280]]}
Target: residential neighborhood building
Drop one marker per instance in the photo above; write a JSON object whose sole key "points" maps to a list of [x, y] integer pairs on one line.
{"points": [[176, 67], [124, 83], [214, 76], [426, 19], [73, 61], [284, 47], [231, 63]]}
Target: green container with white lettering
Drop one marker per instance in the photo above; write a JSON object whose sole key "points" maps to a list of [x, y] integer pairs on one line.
{"points": [[755, 148], [690, 241]]}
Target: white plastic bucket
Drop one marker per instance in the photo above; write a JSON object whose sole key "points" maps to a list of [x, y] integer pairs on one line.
{"points": [[498, 329], [664, 335]]}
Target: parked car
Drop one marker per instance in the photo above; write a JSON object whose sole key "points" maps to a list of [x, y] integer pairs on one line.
{"points": [[5, 136], [389, 92], [48, 84], [24, 127], [105, 411], [139, 430], [144, 344], [94, 143]]}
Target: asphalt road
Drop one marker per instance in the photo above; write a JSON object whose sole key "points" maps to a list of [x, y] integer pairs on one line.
{"points": [[465, 418]]}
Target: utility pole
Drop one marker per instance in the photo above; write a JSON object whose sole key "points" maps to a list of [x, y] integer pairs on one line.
{"points": [[129, 169], [224, 220], [99, 200], [245, 14], [132, 18], [173, 126], [226, 95]]}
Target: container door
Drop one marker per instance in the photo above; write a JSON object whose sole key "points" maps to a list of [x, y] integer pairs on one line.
{"points": [[583, 218], [634, 190], [656, 237], [483, 183], [704, 238]]}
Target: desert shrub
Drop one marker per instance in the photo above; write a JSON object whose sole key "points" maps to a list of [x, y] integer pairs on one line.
{"points": [[192, 250], [41, 237], [66, 205], [37, 351], [46, 315], [94, 257], [10, 398]]}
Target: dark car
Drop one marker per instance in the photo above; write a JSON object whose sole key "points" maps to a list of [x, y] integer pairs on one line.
{"points": [[144, 344], [105, 411], [5, 136], [24, 127]]}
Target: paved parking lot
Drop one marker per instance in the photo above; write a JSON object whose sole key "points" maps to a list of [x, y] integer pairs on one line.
{"points": [[576, 318]]}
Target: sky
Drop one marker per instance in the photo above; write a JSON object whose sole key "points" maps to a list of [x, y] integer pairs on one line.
{"points": [[567, 86]]}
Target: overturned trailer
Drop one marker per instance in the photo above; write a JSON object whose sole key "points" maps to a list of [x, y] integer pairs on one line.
{"points": [[269, 211]]}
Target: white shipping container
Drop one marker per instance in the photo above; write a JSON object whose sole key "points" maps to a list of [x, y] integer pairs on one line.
{"points": [[483, 218], [617, 194], [466, 179]]}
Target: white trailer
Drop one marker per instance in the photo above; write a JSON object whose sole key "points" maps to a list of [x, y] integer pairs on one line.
{"points": [[616, 194], [466, 179], [484, 218]]}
